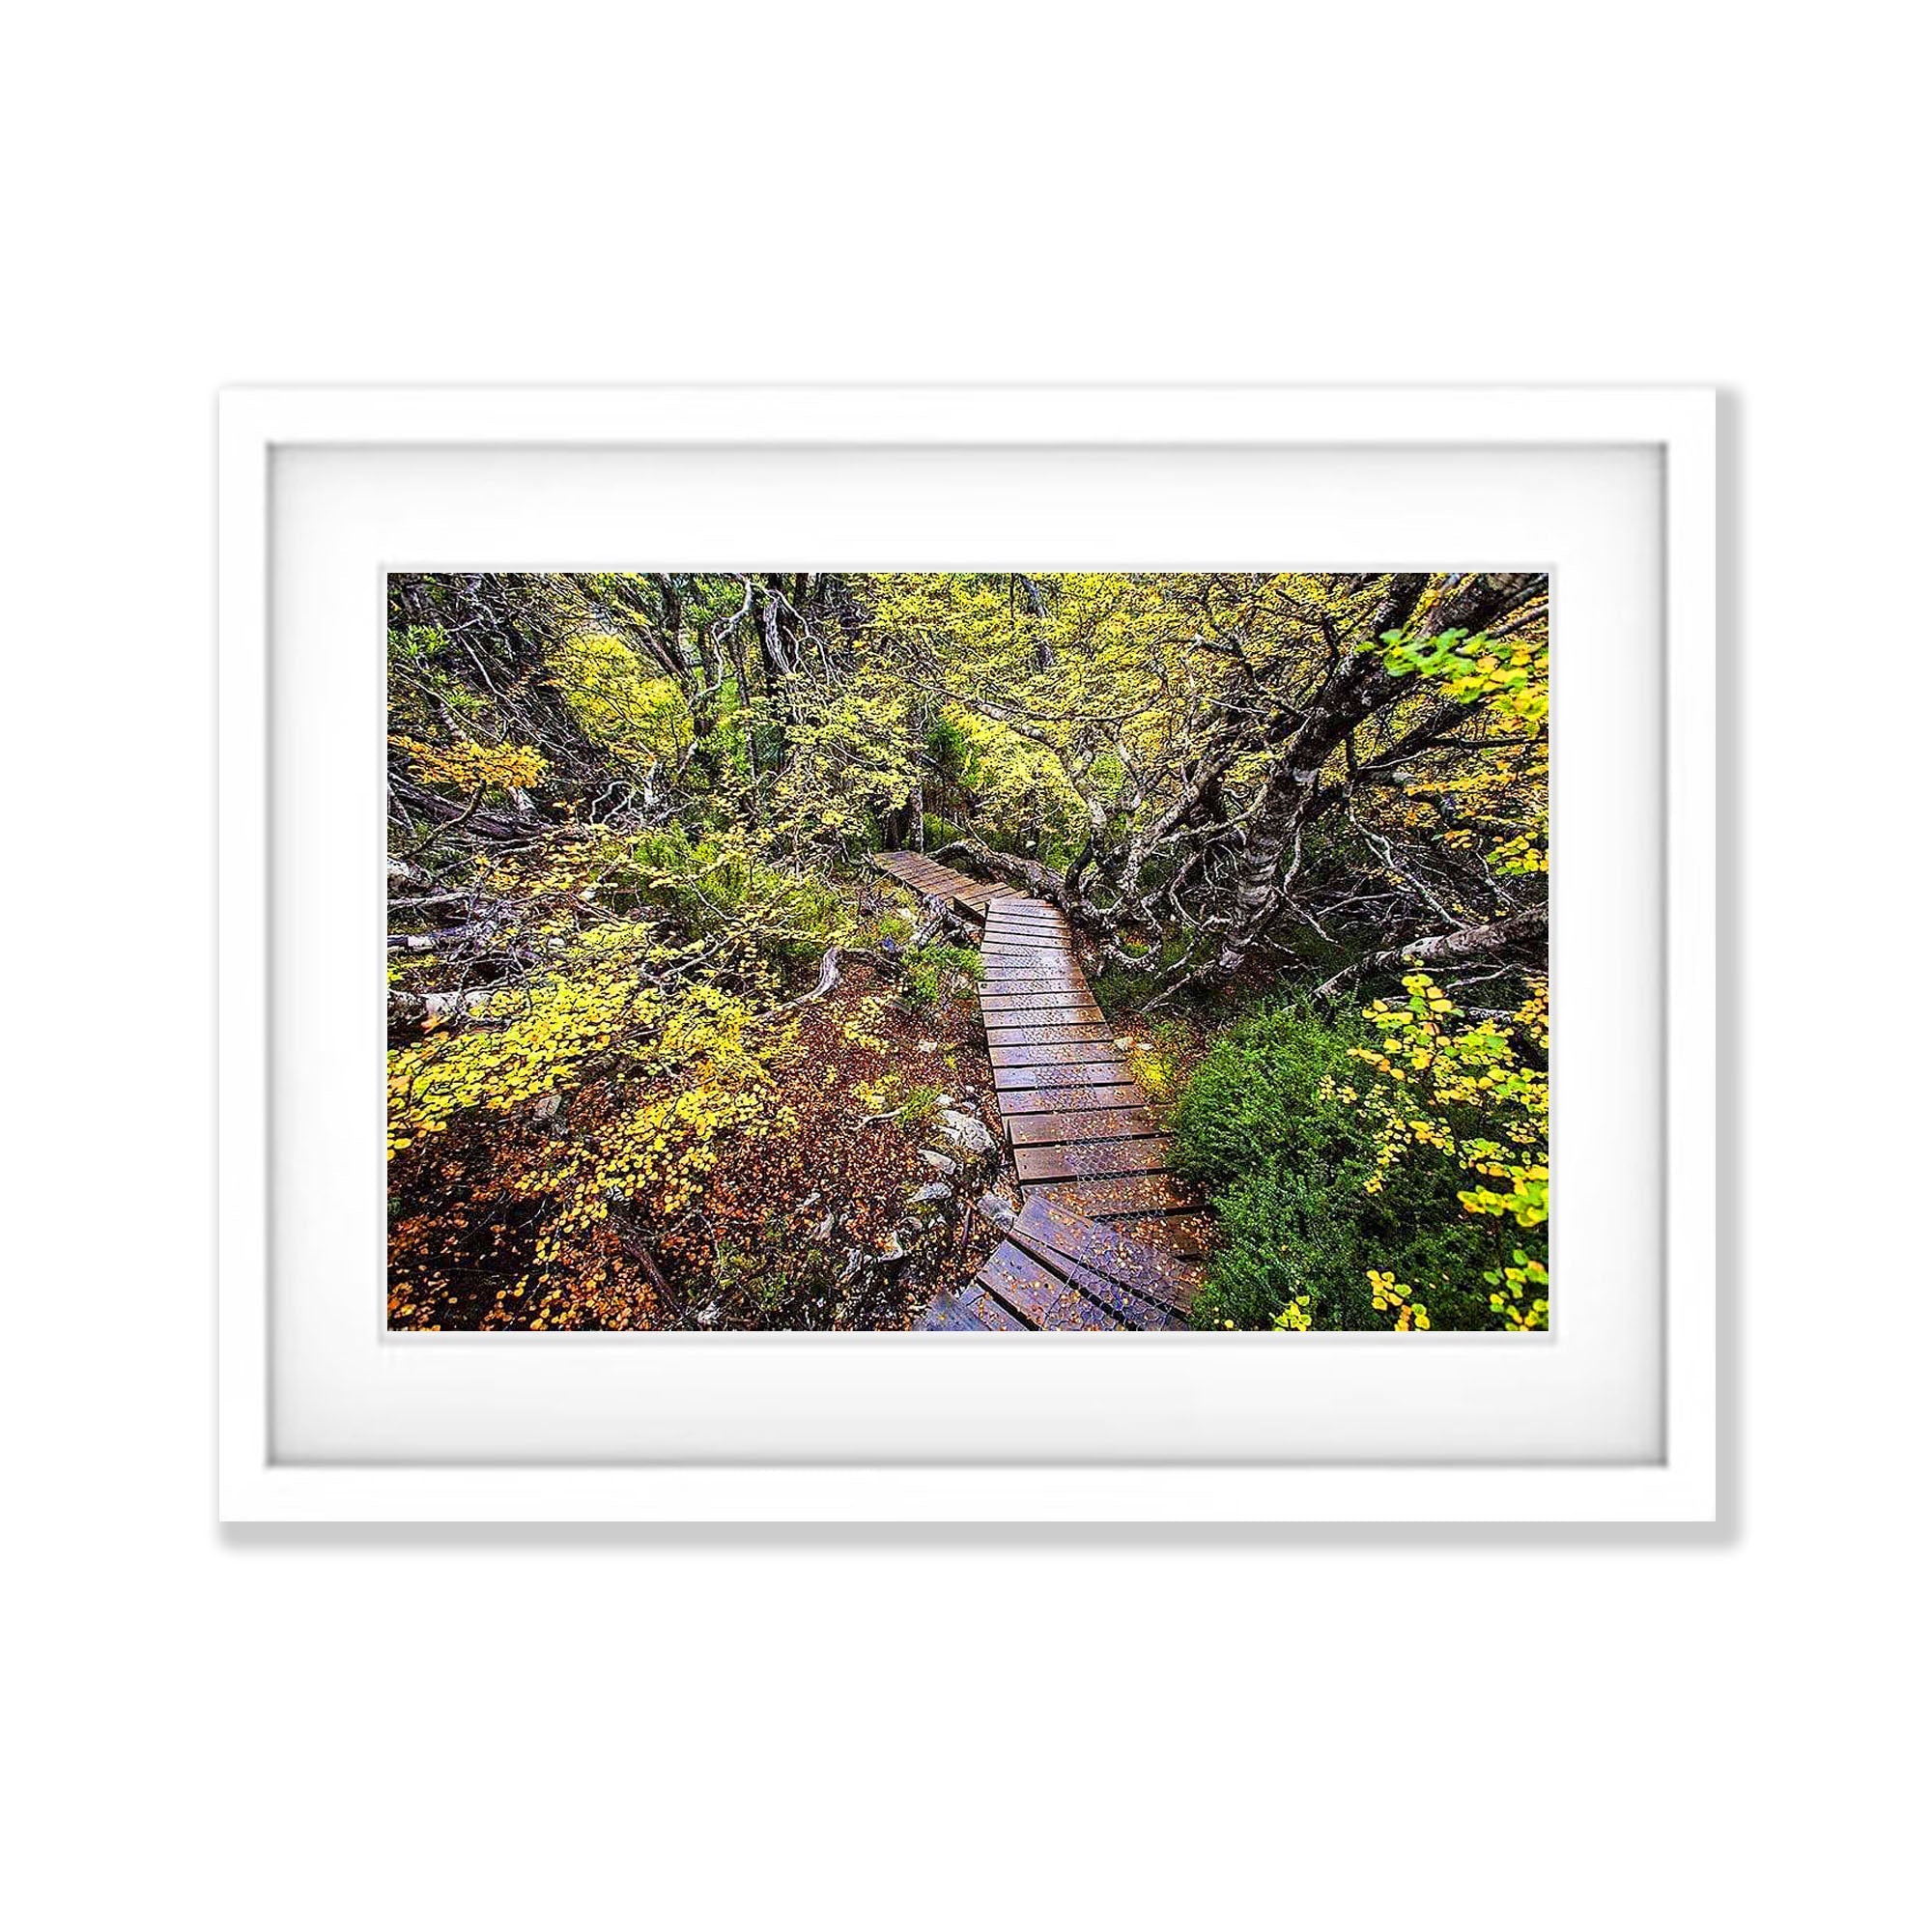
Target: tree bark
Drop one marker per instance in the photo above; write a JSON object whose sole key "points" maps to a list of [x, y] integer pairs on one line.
{"points": [[1450, 949], [1028, 875]]}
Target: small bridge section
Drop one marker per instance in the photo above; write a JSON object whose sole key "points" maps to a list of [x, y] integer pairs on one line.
{"points": [[965, 894]]}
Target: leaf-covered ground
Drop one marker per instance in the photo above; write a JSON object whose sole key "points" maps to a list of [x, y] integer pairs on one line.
{"points": [[769, 1243]]}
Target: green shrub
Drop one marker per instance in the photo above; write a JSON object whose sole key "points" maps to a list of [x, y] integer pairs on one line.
{"points": [[939, 971], [706, 887], [941, 831], [920, 1107], [1286, 1168]]}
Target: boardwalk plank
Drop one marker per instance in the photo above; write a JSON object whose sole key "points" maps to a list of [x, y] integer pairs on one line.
{"points": [[952, 1313], [1044, 1296], [1102, 1074], [1117, 1301], [1153, 1273], [1022, 1284], [1091, 1159], [1069, 1099], [1190, 1235], [1047, 1015], [1029, 1008], [1079, 1053], [1075, 1033], [1105, 1199], [1054, 1292], [1090, 1123]]}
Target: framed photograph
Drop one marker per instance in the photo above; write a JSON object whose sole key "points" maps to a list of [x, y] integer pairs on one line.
{"points": [[922, 954]]}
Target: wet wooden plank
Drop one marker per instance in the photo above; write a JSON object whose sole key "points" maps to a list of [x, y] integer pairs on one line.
{"points": [[1019, 1008], [1093, 1302], [1050, 1291], [1100, 1073], [968, 1311], [1052, 1030], [1079, 1310], [951, 1314], [1098, 1157], [931, 880], [1055, 998], [1190, 1235], [971, 1307], [1023, 1284], [1086, 1123], [1154, 1273], [1069, 1099], [1077, 1054], [1104, 1199], [907, 864], [1075, 1033], [1044, 1014], [1087, 1291]]}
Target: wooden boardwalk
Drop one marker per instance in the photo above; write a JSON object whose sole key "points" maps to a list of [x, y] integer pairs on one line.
{"points": [[968, 894], [1107, 1238]]}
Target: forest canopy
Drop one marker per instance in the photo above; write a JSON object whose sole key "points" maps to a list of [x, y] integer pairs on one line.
{"points": [[1299, 824]]}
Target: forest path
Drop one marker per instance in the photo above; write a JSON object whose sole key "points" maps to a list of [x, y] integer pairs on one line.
{"points": [[1107, 1238]]}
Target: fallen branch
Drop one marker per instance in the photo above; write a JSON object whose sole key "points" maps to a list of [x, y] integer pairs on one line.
{"points": [[439, 1006], [1446, 949], [827, 977], [1028, 875]]}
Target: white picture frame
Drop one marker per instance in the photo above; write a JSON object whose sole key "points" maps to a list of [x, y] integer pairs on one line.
{"points": [[1673, 429]]}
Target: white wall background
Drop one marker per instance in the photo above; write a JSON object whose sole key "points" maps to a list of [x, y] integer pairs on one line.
{"points": [[600, 1729]]}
